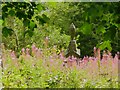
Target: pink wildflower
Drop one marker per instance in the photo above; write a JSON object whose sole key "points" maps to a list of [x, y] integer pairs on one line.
{"points": [[85, 60], [95, 51], [33, 49], [23, 51], [13, 55], [98, 53], [90, 58], [33, 46], [71, 61], [105, 56], [39, 53], [27, 51], [109, 55], [62, 56], [118, 53]]}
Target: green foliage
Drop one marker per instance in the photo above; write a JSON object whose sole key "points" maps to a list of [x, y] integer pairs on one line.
{"points": [[105, 44], [19, 22], [7, 31], [40, 7], [86, 29], [96, 23], [53, 36], [100, 29], [1, 22]]}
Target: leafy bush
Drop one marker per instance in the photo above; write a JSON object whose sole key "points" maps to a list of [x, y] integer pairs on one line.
{"points": [[46, 39]]}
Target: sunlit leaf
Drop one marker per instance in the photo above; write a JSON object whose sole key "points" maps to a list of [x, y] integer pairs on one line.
{"points": [[100, 29], [1, 21], [52, 3], [39, 7], [32, 24], [106, 44], [86, 28]]}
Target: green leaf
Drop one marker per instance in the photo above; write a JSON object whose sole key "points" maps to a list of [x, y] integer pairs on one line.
{"points": [[86, 28], [32, 25], [1, 21], [6, 31], [109, 46], [100, 29], [102, 46], [39, 7], [12, 12], [52, 3], [106, 44]]}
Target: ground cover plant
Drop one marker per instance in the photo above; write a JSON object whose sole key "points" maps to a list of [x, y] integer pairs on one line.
{"points": [[39, 68]]}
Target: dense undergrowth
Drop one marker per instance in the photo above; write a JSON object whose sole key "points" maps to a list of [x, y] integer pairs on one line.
{"points": [[37, 68]]}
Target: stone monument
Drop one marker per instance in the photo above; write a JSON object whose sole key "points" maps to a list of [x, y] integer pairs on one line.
{"points": [[72, 49]]}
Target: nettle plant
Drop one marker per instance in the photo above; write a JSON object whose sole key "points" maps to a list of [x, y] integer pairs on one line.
{"points": [[45, 68]]}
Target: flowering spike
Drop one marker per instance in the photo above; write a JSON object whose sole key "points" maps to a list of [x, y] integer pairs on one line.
{"points": [[23, 51], [13, 55], [118, 53], [27, 51], [98, 53], [95, 52]]}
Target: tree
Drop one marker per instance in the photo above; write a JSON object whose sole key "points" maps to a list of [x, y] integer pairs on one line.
{"points": [[97, 24], [20, 19]]}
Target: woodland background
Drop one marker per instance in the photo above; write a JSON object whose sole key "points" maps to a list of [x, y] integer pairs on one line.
{"points": [[97, 24]]}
